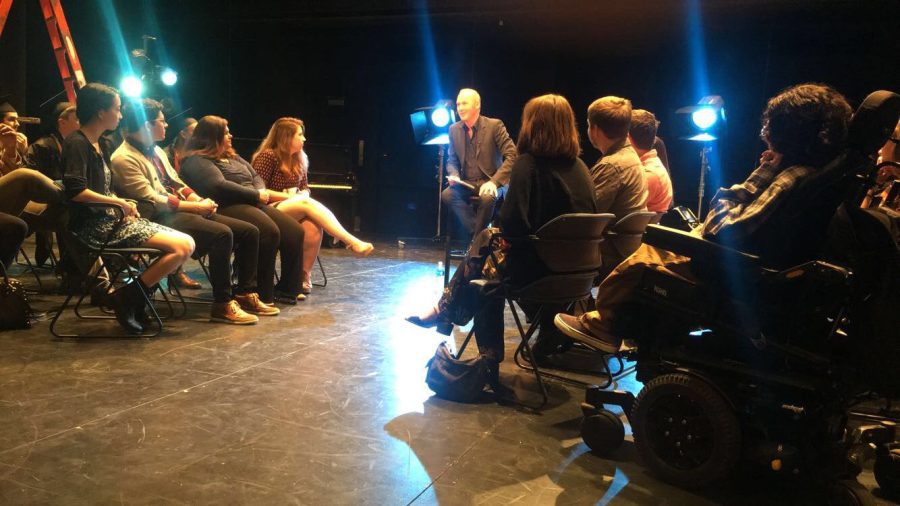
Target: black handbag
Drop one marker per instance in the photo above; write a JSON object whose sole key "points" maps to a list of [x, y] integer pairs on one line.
{"points": [[456, 380], [15, 313]]}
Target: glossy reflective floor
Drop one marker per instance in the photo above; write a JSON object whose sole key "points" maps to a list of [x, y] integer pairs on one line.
{"points": [[324, 404]]}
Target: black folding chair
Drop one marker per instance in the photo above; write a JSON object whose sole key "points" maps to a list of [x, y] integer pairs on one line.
{"points": [[569, 247], [118, 262]]}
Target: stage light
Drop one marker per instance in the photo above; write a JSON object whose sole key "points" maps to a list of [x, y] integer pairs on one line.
{"points": [[704, 118], [131, 86], [168, 77], [703, 122], [431, 124], [440, 116]]}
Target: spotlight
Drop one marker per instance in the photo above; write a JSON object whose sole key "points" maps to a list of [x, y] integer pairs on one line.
{"points": [[440, 116], [431, 124], [131, 86], [705, 121], [704, 118], [168, 77]]}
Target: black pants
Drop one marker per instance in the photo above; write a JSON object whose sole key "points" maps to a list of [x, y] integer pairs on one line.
{"points": [[278, 232], [217, 236], [13, 230], [459, 199]]}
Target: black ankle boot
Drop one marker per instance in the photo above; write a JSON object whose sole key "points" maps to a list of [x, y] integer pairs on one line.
{"points": [[126, 301], [140, 312]]}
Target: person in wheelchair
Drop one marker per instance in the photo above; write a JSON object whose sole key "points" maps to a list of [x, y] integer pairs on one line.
{"points": [[548, 180], [804, 127]]}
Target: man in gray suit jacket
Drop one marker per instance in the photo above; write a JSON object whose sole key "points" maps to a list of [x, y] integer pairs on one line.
{"points": [[481, 155]]}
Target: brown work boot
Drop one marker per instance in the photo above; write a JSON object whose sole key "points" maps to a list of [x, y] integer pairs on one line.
{"points": [[250, 303], [231, 312], [182, 280]]}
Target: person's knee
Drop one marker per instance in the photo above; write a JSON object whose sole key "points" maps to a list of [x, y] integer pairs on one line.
{"points": [[184, 246], [447, 196], [487, 199]]}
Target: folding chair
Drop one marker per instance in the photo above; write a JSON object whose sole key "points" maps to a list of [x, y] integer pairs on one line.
{"points": [[569, 247], [117, 261]]}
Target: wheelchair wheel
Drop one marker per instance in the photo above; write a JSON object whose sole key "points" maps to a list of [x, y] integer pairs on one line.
{"points": [[849, 493], [602, 431], [685, 430]]}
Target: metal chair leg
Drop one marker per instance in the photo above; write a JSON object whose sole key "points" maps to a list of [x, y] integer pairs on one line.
{"points": [[324, 282]]}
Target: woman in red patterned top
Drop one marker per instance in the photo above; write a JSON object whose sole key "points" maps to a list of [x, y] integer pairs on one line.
{"points": [[281, 162]]}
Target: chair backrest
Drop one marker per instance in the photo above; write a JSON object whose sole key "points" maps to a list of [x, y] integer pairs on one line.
{"points": [[627, 234], [571, 242]]}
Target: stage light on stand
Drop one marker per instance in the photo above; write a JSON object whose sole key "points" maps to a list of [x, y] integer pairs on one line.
{"points": [[704, 122], [131, 86], [168, 77], [431, 127]]}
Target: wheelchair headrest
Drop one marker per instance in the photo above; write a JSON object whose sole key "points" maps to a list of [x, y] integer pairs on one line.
{"points": [[872, 123]]}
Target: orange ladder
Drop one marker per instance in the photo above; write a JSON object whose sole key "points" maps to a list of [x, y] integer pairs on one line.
{"points": [[61, 39]]}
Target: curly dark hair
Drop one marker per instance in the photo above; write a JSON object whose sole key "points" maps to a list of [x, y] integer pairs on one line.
{"points": [[807, 124]]}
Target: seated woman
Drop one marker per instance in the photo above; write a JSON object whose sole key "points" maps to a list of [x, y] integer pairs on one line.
{"points": [[548, 180], [213, 169], [175, 150], [282, 163], [140, 171], [86, 179]]}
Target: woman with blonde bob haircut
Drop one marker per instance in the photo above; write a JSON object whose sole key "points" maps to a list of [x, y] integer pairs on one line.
{"points": [[282, 164], [548, 180]]}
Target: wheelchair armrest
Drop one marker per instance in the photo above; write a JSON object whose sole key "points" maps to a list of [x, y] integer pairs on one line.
{"points": [[699, 250]]}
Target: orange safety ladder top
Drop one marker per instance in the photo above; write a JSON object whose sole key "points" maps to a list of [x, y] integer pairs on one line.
{"points": [[61, 39]]}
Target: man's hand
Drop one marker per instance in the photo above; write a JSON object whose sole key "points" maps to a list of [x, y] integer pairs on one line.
{"points": [[770, 157], [8, 138], [263, 196], [488, 188], [207, 207]]}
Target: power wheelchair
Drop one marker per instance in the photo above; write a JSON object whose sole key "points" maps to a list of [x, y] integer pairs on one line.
{"points": [[746, 363]]}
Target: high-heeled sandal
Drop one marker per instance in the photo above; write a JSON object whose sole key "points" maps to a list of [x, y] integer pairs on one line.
{"points": [[361, 248], [435, 319]]}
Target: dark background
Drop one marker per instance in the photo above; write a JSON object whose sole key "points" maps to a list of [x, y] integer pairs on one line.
{"points": [[353, 70]]}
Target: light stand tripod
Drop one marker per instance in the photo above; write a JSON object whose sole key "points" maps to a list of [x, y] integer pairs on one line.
{"points": [[704, 168], [440, 186]]}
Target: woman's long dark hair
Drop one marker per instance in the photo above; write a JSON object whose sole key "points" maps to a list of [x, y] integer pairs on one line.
{"points": [[208, 140]]}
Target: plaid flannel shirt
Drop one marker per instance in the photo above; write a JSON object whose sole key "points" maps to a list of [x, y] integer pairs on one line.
{"points": [[744, 208]]}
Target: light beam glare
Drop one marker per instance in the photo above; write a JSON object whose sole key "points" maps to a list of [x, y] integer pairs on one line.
{"points": [[429, 53]]}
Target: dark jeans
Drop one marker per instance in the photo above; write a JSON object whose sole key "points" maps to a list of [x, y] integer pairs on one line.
{"points": [[278, 232], [13, 230], [217, 236], [459, 200]]}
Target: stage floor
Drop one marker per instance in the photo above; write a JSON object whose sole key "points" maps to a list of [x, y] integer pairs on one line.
{"points": [[324, 404]]}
